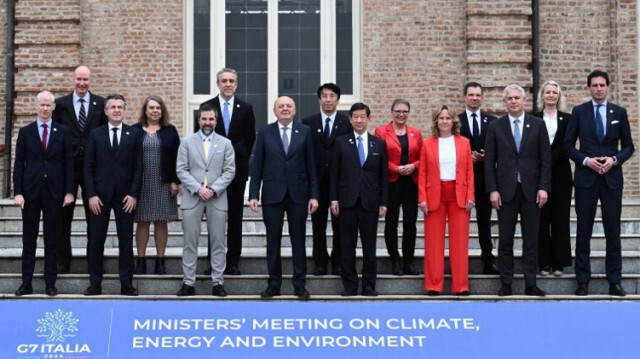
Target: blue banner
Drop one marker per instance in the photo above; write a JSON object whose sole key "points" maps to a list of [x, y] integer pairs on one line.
{"points": [[224, 329]]}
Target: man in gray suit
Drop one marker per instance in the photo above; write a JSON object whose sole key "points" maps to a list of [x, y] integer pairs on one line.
{"points": [[518, 176], [205, 166]]}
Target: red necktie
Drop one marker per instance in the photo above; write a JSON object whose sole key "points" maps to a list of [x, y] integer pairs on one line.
{"points": [[45, 133]]}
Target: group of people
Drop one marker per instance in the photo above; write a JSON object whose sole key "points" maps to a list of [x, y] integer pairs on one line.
{"points": [[327, 164]]}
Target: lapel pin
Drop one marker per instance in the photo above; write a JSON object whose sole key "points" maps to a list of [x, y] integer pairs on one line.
{"points": [[296, 131], [560, 118], [527, 126], [127, 133], [94, 103], [351, 141], [237, 105], [319, 131], [484, 120], [55, 129], [411, 133], [610, 111]]}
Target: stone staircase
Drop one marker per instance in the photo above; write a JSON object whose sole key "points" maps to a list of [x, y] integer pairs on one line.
{"points": [[253, 265]]}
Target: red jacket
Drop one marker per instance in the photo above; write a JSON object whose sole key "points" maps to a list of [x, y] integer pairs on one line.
{"points": [[388, 135]]}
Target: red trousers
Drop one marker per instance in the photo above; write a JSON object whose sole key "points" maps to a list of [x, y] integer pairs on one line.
{"points": [[434, 226]]}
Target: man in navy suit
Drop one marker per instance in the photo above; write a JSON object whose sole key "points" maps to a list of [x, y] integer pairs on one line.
{"points": [[113, 178], [359, 195], [42, 182], [284, 162], [238, 124], [474, 126], [81, 111], [605, 144], [518, 178], [326, 126]]}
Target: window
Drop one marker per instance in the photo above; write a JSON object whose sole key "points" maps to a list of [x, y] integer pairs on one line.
{"points": [[278, 48]]}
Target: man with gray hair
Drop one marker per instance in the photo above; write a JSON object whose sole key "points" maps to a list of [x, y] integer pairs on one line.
{"points": [[518, 178]]}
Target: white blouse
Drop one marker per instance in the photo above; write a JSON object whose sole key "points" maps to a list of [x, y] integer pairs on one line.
{"points": [[447, 158]]}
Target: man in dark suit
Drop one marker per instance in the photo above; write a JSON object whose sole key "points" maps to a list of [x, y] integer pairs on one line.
{"points": [[81, 111], [605, 144], [113, 178], [326, 126], [518, 178], [238, 124], [475, 124], [42, 182], [284, 162], [359, 195]]}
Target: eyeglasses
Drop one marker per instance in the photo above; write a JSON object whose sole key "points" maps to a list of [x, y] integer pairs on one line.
{"points": [[400, 112]]}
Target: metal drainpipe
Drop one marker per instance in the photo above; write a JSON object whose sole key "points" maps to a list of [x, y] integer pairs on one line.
{"points": [[535, 51], [9, 95]]}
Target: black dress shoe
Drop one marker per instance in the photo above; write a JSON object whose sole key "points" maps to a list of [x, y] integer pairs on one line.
{"points": [[617, 290], [93, 290], [25, 289], [409, 269], [582, 290], [349, 293], [535, 291], [232, 270], [505, 290], [270, 292], [464, 293], [396, 267], [51, 290], [320, 270], [336, 270], [490, 268], [186, 291], [301, 293], [370, 293], [128, 290], [218, 291], [433, 293], [63, 269]]}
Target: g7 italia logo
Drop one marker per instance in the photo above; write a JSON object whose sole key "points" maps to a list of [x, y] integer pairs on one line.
{"points": [[55, 327]]}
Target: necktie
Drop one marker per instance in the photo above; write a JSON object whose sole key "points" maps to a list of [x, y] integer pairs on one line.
{"points": [[114, 140], [599, 124], [82, 115], [285, 139], [476, 131], [226, 118], [361, 151], [45, 133], [206, 156], [327, 128], [516, 134]]}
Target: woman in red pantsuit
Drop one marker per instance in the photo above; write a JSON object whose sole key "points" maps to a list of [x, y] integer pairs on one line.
{"points": [[445, 191]]}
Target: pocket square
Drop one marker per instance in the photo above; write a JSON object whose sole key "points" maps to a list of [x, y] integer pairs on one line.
{"points": [[615, 122], [375, 154]]}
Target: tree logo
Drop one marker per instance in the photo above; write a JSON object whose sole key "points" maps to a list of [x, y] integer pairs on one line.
{"points": [[57, 326]]}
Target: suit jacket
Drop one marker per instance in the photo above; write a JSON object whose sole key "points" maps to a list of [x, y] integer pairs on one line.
{"points": [[617, 142], [350, 181], [503, 161], [429, 185], [169, 143], [65, 114], [192, 167], [322, 146], [242, 133], [293, 172], [394, 150], [484, 126], [111, 175], [560, 166], [31, 162]]}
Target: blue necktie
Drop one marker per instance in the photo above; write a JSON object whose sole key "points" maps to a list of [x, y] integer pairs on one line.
{"points": [[226, 118], [361, 151], [516, 134], [327, 128], [599, 124], [82, 115], [285, 139]]}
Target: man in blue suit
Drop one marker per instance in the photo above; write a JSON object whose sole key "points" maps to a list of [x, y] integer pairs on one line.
{"points": [[42, 182], [113, 178], [284, 162], [605, 144]]}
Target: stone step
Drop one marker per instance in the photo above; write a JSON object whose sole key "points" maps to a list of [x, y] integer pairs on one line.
{"points": [[253, 261]]}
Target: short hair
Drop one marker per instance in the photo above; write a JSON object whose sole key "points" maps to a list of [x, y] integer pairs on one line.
{"points": [[114, 96], [400, 101], [597, 73], [513, 87], [164, 118], [455, 129], [42, 94], [560, 104], [207, 107], [226, 69], [329, 86], [359, 106], [471, 84]]}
